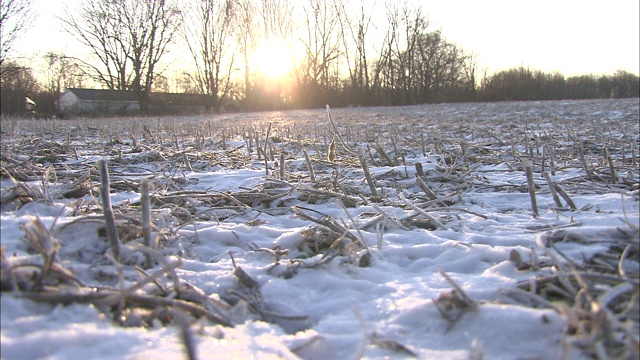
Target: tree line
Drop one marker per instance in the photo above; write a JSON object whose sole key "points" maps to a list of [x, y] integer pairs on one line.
{"points": [[348, 57]]}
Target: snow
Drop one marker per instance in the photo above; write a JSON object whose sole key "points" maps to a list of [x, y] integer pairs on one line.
{"points": [[384, 310]]}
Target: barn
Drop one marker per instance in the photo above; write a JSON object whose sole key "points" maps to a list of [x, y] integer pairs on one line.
{"points": [[75, 101], [97, 101]]}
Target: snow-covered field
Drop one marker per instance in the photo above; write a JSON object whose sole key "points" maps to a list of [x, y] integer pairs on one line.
{"points": [[446, 260]]}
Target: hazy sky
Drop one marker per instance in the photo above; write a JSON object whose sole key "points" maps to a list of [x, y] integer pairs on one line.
{"points": [[570, 36], [573, 37]]}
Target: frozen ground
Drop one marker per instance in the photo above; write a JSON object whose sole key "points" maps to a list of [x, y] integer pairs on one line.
{"points": [[383, 289]]}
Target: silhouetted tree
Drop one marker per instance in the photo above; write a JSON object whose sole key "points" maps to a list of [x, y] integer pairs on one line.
{"points": [[209, 34], [322, 48], [60, 72], [15, 17], [17, 83], [354, 26], [127, 38], [625, 85]]}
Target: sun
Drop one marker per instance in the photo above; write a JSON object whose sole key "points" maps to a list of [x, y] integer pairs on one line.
{"points": [[274, 59]]}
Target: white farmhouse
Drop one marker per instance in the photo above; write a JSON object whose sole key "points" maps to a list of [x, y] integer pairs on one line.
{"points": [[85, 101]]}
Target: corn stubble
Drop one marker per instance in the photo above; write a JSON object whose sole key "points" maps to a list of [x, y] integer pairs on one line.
{"points": [[598, 297]]}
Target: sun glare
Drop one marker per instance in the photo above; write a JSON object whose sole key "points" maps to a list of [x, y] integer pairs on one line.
{"points": [[274, 59]]}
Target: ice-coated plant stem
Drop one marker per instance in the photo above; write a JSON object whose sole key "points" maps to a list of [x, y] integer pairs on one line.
{"points": [[384, 154], [552, 160], [112, 232], [565, 196], [187, 163], [312, 175], [435, 221], [542, 159], [419, 170], [146, 218], [257, 141], [531, 185], [552, 188], [335, 130], [424, 187], [266, 144], [612, 169], [367, 174], [584, 162]]}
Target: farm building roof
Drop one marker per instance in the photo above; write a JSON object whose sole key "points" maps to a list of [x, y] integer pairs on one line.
{"points": [[165, 99], [104, 95]]}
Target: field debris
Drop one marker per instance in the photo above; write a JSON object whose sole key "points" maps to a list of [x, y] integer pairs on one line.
{"points": [[275, 226]]}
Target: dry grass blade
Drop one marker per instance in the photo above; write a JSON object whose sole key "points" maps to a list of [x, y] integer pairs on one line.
{"points": [[454, 303], [597, 298], [248, 292], [41, 239], [335, 131], [355, 226], [138, 285], [326, 222], [385, 217], [391, 345], [90, 295], [435, 221], [467, 300]]}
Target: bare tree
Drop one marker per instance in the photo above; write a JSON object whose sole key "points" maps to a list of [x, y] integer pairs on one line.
{"points": [[184, 83], [276, 18], [209, 36], [15, 17], [99, 27], [418, 65], [61, 72], [246, 33], [160, 84], [150, 26], [384, 70], [18, 82], [322, 46], [353, 34], [413, 25], [470, 68], [127, 38]]}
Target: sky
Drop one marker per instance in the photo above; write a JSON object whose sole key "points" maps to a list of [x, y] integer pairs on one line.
{"points": [[572, 37], [568, 36]]}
